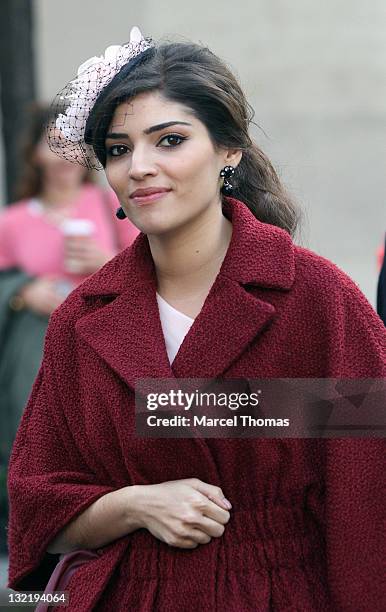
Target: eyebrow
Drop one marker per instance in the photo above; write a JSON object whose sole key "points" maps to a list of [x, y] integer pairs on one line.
{"points": [[150, 130]]}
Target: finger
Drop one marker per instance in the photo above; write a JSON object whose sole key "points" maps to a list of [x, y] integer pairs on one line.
{"points": [[205, 507], [216, 513], [220, 501], [212, 528], [77, 239], [185, 543], [200, 536], [213, 493], [85, 246], [74, 252]]}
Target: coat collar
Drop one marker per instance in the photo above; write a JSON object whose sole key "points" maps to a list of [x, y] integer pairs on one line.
{"points": [[127, 332], [258, 254]]}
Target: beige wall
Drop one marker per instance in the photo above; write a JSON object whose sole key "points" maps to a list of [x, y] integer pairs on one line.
{"points": [[315, 74]]}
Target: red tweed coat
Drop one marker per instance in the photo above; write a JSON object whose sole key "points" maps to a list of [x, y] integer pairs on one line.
{"points": [[307, 527]]}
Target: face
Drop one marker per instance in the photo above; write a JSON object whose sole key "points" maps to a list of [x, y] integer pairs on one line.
{"points": [[162, 164], [56, 169]]}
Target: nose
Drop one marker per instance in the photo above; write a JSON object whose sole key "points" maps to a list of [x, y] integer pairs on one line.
{"points": [[141, 164]]}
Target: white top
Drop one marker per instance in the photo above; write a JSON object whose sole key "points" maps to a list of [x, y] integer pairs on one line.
{"points": [[175, 326]]}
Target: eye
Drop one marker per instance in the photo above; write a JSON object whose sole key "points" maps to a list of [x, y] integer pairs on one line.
{"points": [[173, 140], [117, 150]]}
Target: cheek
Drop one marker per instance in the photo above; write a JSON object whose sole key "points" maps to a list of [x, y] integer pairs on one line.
{"points": [[194, 168], [114, 178]]}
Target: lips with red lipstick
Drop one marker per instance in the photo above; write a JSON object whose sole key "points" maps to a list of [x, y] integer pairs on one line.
{"points": [[149, 194]]}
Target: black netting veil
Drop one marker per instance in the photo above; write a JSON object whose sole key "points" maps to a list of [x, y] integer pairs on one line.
{"points": [[66, 131]]}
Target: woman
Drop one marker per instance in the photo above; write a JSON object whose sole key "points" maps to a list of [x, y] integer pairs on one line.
{"points": [[58, 232], [213, 287]]}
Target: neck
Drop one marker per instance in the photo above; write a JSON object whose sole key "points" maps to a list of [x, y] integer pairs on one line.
{"points": [[188, 261], [59, 195]]}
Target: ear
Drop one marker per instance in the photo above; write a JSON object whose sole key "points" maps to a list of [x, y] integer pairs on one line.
{"points": [[233, 157]]}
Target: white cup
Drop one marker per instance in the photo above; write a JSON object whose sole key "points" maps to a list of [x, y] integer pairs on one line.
{"points": [[76, 227]]}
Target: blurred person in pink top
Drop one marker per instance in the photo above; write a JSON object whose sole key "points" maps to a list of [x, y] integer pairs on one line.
{"points": [[62, 229]]}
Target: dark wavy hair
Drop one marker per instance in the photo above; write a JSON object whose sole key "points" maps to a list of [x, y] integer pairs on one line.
{"points": [[191, 74], [31, 179]]}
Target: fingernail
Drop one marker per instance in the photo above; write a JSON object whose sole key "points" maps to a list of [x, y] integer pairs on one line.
{"points": [[227, 503]]}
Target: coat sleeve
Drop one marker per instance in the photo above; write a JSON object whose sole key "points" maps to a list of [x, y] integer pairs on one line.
{"points": [[355, 481], [355, 523], [356, 334], [11, 281], [49, 482]]}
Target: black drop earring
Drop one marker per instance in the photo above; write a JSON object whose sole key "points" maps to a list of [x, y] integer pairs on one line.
{"points": [[120, 213], [226, 173]]}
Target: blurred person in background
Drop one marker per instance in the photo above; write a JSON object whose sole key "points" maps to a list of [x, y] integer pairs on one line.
{"points": [[381, 295], [59, 231]]}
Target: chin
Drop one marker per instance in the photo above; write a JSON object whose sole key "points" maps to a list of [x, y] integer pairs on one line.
{"points": [[155, 223], [154, 229]]}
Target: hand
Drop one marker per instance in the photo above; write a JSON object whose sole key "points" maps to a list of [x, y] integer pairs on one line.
{"points": [[84, 255], [40, 296], [183, 513]]}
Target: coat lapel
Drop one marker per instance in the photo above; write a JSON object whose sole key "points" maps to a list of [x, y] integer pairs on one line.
{"points": [[127, 332], [232, 317], [229, 320]]}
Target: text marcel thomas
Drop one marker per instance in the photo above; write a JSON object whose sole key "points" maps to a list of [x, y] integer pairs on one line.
{"points": [[182, 400]]}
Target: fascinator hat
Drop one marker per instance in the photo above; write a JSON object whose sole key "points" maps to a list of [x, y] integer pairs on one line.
{"points": [[72, 105]]}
